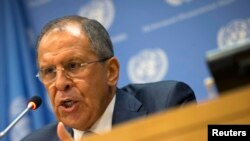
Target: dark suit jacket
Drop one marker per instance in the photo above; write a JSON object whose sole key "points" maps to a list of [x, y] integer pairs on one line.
{"points": [[133, 101]]}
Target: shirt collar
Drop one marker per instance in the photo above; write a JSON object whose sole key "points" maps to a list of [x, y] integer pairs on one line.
{"points": [[103, 124]]}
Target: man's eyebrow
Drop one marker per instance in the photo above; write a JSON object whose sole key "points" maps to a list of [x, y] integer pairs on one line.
{"points": [[74, 58]]}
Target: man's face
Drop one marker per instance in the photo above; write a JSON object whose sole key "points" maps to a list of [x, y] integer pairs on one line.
{"points": [[78, 102]]}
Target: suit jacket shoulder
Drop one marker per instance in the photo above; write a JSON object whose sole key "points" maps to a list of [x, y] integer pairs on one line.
{"points": [[139, 100], [161, 95]]}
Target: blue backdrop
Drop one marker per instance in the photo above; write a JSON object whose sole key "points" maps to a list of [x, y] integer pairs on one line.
{"points": [[153, 39]]}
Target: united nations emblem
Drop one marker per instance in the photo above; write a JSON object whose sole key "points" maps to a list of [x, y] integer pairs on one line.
{"points": [[100, 10], [149, 65], [233, 33]]}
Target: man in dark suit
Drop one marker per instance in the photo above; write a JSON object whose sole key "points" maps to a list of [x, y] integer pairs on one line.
{"points": [[78, 68]]}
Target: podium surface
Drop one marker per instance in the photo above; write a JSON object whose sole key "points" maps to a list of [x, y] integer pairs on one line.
{"points": [[187, 123]]}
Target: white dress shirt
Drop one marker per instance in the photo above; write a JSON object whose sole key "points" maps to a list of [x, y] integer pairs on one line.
{"points": [[102, 125]]}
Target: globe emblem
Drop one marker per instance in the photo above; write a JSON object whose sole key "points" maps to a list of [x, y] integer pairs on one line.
{"points": [[100, 10], [149, 65], [233, 33]]}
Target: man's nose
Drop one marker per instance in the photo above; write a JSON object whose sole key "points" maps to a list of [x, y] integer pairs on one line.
{"points": [[62, 81]]}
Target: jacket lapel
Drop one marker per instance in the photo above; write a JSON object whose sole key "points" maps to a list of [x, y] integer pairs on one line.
{"points": [[127, 107]]}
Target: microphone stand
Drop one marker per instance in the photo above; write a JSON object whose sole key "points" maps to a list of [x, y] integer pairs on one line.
{"points": [[16, 120]]}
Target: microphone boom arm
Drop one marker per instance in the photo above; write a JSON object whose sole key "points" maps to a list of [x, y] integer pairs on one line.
{"points": [[29, 107]]}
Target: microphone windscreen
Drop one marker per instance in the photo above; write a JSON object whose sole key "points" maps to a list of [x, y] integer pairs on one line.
{"points": [[36, 100]]}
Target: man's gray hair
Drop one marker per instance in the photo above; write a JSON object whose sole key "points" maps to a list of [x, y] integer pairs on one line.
{"points": [[98, 36]]}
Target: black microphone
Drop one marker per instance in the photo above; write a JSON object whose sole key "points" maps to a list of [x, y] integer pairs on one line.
{"points": [[33, 104]]}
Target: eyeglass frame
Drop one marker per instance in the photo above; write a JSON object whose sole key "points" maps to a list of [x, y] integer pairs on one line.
{"points": [[66, 74]]}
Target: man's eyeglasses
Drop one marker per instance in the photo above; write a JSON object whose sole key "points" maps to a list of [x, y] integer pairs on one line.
{"points": [[71, 70]]}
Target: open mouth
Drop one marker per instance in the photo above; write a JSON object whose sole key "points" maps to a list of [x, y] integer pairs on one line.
{"points": [[67, 103]]}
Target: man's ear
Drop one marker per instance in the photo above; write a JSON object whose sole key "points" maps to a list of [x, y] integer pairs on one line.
{"points": [[113, 68]]}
